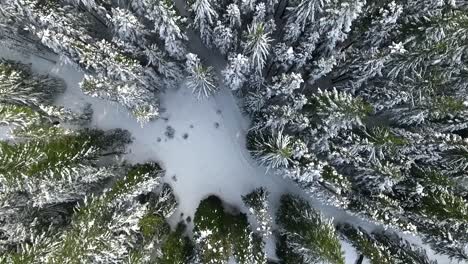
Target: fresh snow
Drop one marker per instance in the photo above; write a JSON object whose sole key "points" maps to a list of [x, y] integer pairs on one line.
{"points": [[205, 156]]}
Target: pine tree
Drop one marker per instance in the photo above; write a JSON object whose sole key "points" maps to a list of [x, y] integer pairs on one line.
{"points": [[20, 86], [167, 23], [235, 75], [126, 26], [112, 227], [383, 246], [211, 232], [233, 15], [177, 248], [52, 173], [112, 71], [201, 79], [257, 201], [45, 168], [402, 78], [257, 46], [353, 145], [98, 223], [205, 17], [280, 103], [302, 15], [25, 107], [304, 235], [276, 150], [220, 235], [223, 38]]}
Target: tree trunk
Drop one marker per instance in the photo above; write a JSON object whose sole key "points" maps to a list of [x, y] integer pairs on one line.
{"points": [[360, 259]]}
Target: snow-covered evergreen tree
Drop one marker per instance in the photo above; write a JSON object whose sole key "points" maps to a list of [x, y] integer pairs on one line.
{"points": [[257, 46], [304, 235], [236, 74], [112, 227], [167, 23], [393, 119], [201, 79], [301, 16], [384, 247], [107, 43], [44, 167], [276, 150], [205, 17], [177, 247], [220, 235], [223, 38], [257, 202]]}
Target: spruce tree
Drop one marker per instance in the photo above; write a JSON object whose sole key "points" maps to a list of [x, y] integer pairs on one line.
{"points": [[45, 168], [220, 235], [201, 79], [258, 206], [109, 44], [304, 235], [112, 227], [383, 246]]}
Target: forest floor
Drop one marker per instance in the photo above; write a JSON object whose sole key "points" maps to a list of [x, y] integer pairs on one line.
{"points": [[199, 143]]}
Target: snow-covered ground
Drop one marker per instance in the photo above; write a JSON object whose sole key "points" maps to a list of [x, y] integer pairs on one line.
{"points": [[206, 154]]}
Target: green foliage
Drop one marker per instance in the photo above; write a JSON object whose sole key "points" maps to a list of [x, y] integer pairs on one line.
{"points": [[18, 85], [330, 175], [339, 104], [432, 178], [440, 199], [258, 205], [275, 150], [165, 204], [211, 231], [443, 205], [177, 249], [92, 224], [305, 237], [151, 225], [137, 175], [46, 156], [87, 235], [85, 37], [285, 251], [103, 228], [383, 247], [399, 68], [366, 245], [18, 116], [256, 199], [446, 105], [220, 234], [45, 169], [23, 96], [238, 236], [384, 136], [53, 157]]}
